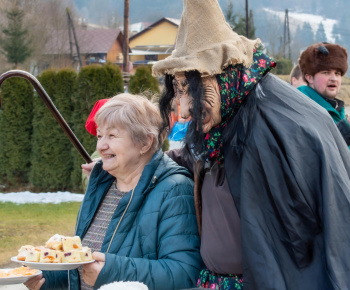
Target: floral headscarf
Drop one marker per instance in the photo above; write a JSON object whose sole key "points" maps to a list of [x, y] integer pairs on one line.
{"points": [[235, 83]]}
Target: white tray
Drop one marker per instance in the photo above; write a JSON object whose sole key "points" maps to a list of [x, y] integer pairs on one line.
{"points": [[51, 266], [16, 280]]}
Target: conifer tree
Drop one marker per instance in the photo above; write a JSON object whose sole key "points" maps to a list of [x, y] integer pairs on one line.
{"points": [[51, 149], [320, 34], [142, 82], [238, 23], [15, 43], [251, 25], [307, 35], [15, 131]]}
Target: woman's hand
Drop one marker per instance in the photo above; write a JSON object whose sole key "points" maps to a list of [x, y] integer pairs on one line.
{"points": [[35, 283], [91, 271]]}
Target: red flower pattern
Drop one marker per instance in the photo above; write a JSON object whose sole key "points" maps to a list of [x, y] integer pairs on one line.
{"points": [[235, 83]]}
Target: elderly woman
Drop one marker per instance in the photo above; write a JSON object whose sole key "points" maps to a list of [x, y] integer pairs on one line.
{"points": [[138, 213]]}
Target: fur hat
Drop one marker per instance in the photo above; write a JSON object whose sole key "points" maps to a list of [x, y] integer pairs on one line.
{"points": [[90, 124], [323, 56], [205, 42]]}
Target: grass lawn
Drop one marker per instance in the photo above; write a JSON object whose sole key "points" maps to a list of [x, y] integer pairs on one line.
{"points": [[33, 224]]}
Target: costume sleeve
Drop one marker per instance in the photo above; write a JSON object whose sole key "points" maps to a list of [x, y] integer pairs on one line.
{"points": [[344, 128], [57, 280], [178, 256], [182, 157]]}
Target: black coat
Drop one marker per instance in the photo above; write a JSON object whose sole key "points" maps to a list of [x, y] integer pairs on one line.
{"points": [[288, 169]]}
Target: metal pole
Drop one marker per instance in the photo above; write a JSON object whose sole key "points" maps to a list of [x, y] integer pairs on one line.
{"points": [[42, 93], [126, 36], [246, 19]]}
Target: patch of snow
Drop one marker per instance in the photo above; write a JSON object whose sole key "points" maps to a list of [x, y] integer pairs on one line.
{"points": [[43, 197], [297, 19]]}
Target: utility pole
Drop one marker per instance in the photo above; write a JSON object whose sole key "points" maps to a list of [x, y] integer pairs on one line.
{"points": [[246, 19], [70, 31], [286, 36], [126, 37]]}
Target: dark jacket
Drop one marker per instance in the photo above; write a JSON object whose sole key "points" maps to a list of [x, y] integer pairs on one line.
{"points": [[288, 170], [157, 241], [338, 116]]}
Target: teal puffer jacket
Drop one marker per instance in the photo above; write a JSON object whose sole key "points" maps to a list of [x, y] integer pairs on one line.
{"points": [[157, 240]]}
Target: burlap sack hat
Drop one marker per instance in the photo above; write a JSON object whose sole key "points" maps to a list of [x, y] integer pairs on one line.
{"points": [[205, 42], [323, 56]]}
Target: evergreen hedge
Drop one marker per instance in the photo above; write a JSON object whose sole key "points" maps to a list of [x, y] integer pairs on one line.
{"points": [[284, 66], [51, 149], [95, 82], [142, 82], [15, 131]]}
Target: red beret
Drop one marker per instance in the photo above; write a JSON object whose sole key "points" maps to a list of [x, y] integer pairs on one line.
{"points": [[90, 124]]}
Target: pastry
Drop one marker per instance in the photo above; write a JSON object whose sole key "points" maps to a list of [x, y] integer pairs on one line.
{"points": [[72, 256], [85, 254], [51, 256], [71, 243]]}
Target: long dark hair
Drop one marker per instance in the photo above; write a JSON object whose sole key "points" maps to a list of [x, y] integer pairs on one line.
{"points": [[194, 137], [166, 99]]}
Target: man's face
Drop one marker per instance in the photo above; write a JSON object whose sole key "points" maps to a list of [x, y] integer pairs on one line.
{"points": [[298, 82], [211, 115], [327, 83]]}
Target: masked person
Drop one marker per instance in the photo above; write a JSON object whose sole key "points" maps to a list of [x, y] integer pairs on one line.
{"points": [[271, 170]]}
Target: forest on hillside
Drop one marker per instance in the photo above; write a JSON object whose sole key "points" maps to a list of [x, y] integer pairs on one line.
{"points": [[330, 20], [268, 27], [151, 10]]}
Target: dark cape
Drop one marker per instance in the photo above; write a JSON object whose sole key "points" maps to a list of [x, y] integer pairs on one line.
{"points": [[288, 169]]}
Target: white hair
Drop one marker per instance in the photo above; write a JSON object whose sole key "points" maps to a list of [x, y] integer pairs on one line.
{"points": [[135, 114]]}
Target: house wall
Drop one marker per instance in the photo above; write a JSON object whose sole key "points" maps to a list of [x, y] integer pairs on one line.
{"points": [[114, 53], [162, 34]]}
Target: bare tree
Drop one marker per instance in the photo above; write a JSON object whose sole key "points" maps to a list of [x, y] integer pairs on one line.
{"points": [[42, 18]]}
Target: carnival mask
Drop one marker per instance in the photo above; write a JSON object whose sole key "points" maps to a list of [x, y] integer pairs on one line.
{"points": [[211, 115]]}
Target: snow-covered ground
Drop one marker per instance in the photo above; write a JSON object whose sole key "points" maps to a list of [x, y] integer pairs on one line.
{"points": [[29, 197], [44, 197]]}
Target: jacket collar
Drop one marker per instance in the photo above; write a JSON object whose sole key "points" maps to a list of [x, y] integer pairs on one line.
{"points": [[312, 94]]}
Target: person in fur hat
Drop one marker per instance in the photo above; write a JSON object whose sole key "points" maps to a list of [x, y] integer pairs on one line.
{"points": [[323, 65], [271, 171]]}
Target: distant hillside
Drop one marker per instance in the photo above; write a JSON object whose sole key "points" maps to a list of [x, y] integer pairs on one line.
{"points": [[152, 10], [309, 21]]}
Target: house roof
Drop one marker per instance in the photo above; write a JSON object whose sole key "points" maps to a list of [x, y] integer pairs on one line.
{"points": [[173, 21], [136, 27], [89, 41]]}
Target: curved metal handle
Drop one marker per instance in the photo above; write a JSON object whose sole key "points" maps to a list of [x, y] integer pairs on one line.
{"points": [[44, 96]]}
